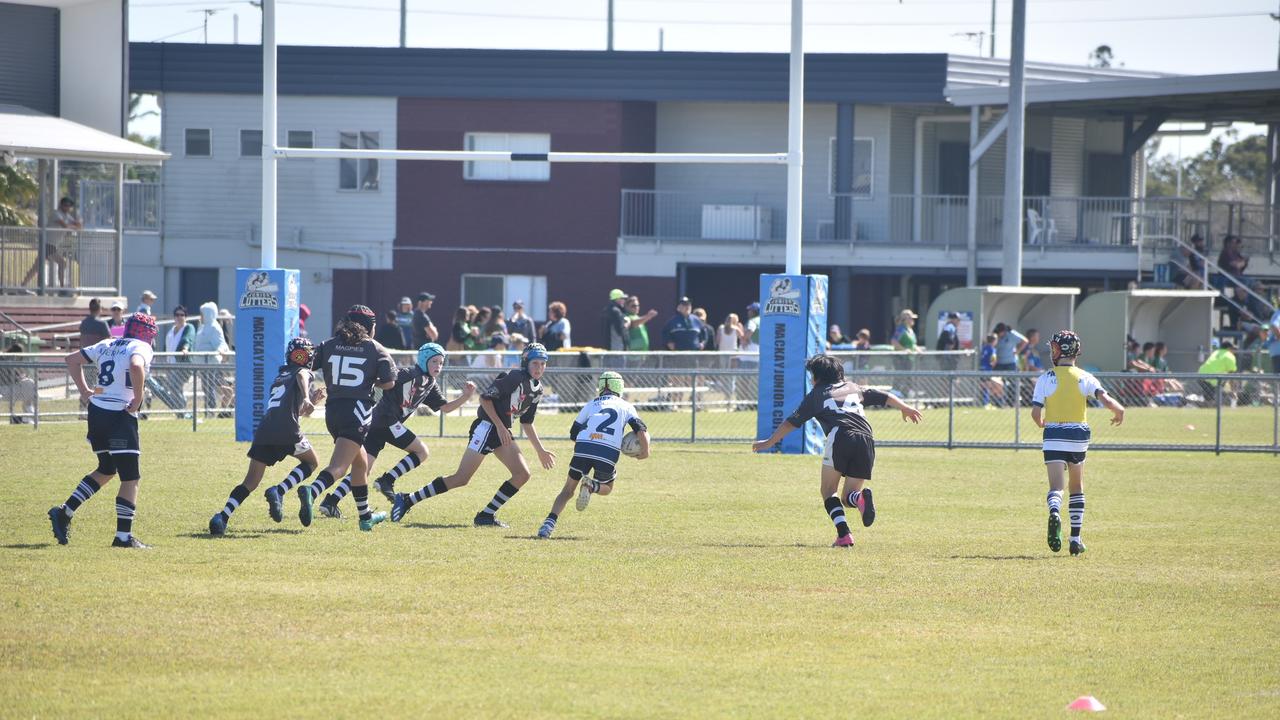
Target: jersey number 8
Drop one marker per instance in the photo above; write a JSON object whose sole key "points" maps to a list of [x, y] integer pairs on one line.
{"points": [[106, 375]]}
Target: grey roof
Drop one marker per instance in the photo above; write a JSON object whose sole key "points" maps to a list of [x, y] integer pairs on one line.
{"points": [[1251, 97], [966, 71], [537, 74]]}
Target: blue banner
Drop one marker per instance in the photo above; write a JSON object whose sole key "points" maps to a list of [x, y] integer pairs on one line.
{"points": [[793, 323], [266, 320]]}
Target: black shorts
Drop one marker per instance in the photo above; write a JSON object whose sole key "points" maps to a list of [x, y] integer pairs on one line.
{"points": [[484, 437], [112, 431], [271, 453], [602, 470], [348, 419], [852, 454], [1070, 458], [397, 435]]}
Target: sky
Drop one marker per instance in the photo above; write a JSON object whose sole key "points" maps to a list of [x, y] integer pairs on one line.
{"points": [[1176, 36]]}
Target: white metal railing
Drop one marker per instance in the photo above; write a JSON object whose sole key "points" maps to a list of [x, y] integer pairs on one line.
{"points": [[142, 209], [78, 261], [1048, 221]]}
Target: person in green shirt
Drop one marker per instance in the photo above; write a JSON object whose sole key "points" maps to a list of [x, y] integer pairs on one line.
{"points": [[638, 339], [1220, 362]]}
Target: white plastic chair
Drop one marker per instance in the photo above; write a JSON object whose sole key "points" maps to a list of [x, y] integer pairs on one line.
{"points": [[1038, 226]]}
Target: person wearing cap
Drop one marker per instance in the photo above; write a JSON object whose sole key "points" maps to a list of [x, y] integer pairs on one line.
{"points": [[1220, 362], [949, 341], [519, 323], [614, 325], [684, 331], [148, 298], [404, 321], [904, 340], [424, 331]]}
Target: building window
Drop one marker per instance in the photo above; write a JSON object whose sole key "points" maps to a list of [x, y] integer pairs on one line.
{"points": [[502, 290], [300, 139], [864, 153], [199, 142], [511, 171], [358, 174], [250, 143]]}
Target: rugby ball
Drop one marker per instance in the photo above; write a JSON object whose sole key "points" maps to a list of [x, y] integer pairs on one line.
{"points": [[630, 445]]}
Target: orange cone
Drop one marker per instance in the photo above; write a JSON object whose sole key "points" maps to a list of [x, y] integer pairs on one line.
{"points": [[1087, 703]]}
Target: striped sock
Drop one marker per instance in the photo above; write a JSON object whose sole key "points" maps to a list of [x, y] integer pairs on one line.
{"points": [[361, 494], [124, 519], [1054, 498], [300, 473], [550, 523], [852, 500], [430, 490], [341, 491], [85, 490], [407, 463], [1075, 506], [836, 511], [238, 494], [323, 482], [500, 498]]}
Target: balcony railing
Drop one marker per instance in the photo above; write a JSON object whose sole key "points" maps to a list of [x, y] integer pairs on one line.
{"points": [[75, 261], [1066, 222], [142, 210]]}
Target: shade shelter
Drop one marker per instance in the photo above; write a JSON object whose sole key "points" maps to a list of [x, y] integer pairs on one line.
{"points": [[1182, 319]]}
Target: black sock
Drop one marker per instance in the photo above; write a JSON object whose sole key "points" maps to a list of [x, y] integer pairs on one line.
{"points": [[836, 511], [323, 482], [407, 463], [238, 494], [300, 473], [431, 489], [361, 494], [342, 490], [85, 490], [124, 519], [500, 498]]}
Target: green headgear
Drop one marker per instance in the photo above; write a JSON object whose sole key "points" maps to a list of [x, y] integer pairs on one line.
{"points": [[610, 381]]}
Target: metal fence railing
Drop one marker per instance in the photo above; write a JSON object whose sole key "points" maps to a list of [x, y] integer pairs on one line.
{"points": [[962, 409], [142, 210], [79, 261]]}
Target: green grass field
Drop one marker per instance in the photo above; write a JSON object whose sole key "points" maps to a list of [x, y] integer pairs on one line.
{"points": [[703, 587]]}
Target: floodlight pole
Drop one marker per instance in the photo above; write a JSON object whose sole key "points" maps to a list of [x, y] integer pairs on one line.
{"points": [[1014, 137], [269, 160], [795, 139]]}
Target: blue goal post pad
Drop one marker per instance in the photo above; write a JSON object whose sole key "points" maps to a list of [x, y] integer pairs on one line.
{"points": [[793, 321], [266, 320]]}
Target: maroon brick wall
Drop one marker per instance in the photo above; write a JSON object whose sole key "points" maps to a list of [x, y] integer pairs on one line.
{"points": [[565, 228]]}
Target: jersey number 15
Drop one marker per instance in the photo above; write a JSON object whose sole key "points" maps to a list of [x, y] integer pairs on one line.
{"points": [[346, 371]]}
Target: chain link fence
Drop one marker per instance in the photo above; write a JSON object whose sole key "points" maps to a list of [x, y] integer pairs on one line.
{"points": [[962, 408]]}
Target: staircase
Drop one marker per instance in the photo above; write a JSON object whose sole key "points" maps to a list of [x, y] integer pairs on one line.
{"points": [[43, 324]]}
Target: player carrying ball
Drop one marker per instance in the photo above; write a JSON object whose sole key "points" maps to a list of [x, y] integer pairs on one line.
{"points": [[511, 394], [279, 435], [353, 364], [418, 385], [1059, 405], [122, 364], [850, 450], [597, 432]]}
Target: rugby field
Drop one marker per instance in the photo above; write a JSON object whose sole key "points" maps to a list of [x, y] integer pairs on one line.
{"points": [[703, 587]]}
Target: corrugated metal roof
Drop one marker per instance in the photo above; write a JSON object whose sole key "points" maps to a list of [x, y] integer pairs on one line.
{"points": [[537, 74], [965, 71]]}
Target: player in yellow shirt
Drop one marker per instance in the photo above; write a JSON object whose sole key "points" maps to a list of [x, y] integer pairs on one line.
{"points": [[1059, 405]]}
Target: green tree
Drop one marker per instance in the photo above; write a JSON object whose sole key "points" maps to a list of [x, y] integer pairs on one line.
{"points": [[18, 192], [1230, 169]]}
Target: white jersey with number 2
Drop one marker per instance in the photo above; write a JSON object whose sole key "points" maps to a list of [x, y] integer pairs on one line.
{"points": [[606, 420], [115, 389]]}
